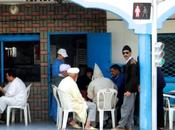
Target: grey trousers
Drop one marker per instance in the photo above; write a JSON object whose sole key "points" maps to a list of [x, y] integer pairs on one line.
{"points": [[91, 111], [127, 112]]}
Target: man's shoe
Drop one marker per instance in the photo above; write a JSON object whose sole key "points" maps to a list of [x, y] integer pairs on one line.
{"points": [[92, 128], [2, 122], [128, 129], [160, 128], [118, 128]]}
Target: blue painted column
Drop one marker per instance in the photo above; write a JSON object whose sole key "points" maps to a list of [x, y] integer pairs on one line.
{"points": [[145, 81], [49, 73]]}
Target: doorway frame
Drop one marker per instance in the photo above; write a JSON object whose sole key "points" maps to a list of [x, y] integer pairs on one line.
{"points": [[49, 57]]}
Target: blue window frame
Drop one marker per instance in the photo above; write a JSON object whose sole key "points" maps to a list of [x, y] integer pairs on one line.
{"points": [[8, 38]]}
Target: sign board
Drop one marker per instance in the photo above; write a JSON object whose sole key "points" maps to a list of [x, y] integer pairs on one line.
{"points": [[141, 11]]}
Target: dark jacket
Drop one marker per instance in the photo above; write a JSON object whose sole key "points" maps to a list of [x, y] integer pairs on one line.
{"points": [[160, 85], [131, 76]]}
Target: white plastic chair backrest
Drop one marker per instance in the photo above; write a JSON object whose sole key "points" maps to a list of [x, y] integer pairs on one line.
{"points": [[28, 90], [65, 100], [107, 99], [167, 103], [55, 94]]}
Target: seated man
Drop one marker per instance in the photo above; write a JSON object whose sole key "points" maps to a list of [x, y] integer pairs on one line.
{"points": [[83, 82], [99, 82], [62, 73], [118, 78], [69, 86], [14, 92]]}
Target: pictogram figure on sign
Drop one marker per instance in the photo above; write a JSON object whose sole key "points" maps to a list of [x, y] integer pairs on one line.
{"points": [[137, 11], [145, 12]]}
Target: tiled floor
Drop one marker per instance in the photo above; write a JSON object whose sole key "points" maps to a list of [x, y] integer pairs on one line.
{"points": [[34, 126], [40, 126]]}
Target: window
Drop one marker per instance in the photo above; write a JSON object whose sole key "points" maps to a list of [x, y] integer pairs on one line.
{"points": [[24, 58]]}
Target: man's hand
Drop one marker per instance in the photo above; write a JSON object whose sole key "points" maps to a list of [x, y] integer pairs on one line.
{"points": [[1, 89], [127, 94]]}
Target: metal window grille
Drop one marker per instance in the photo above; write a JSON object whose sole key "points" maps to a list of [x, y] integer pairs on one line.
{"points": [[169, 67]]}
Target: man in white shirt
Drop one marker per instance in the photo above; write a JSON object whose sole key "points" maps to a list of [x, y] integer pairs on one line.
{"points": [[14, 92]]}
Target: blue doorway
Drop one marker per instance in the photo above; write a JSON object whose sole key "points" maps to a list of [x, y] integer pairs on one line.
{"points": [[84, 49]]}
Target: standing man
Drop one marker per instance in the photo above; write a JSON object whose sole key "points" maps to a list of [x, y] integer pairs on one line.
{"points": [[14, 92], [118, 78], [62, 54], [53, 108], [131, 85], [160, 111]]}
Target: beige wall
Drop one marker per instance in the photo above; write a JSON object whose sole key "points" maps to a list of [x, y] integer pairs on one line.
{"points": [[120, 37], [168, 27]]}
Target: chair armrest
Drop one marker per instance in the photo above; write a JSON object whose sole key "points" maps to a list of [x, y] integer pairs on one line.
{"points": [[169, 95]]}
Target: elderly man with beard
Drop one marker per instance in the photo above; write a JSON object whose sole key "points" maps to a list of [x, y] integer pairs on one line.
{"points": [[80, 106]]}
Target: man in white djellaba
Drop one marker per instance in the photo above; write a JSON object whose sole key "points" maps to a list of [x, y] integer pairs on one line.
{"points": [[14, 92], [79, 105], [98, 83]]}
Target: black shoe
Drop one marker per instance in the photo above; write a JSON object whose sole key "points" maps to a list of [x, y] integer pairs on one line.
{"points": [[97, 125], [160, 128], [2, 122]]}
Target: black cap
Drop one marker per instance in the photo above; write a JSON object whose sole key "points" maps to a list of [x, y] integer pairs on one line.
{"points": [[89, 70], [126, 47], [115, 66]]}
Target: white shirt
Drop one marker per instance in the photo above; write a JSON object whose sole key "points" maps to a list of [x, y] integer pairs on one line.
{"points": [[17, 90], [128, 60], [15, 94]]}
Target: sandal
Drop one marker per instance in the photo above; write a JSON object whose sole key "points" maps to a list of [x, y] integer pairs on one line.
{"points": [[91, 128], [76, 126]]}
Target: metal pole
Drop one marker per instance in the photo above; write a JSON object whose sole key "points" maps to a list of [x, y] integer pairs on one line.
{"points": [[154, 68]]}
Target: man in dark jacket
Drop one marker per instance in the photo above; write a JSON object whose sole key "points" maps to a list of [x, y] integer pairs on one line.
{"points": [[118, 78], [160, 85], [131, 82]]}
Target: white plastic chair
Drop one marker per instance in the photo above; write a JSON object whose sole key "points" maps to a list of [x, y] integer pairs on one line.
{"points": [[166, 109], [59, 109], [170, 108], [106, 101], [25, 108], [66, 107]]}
